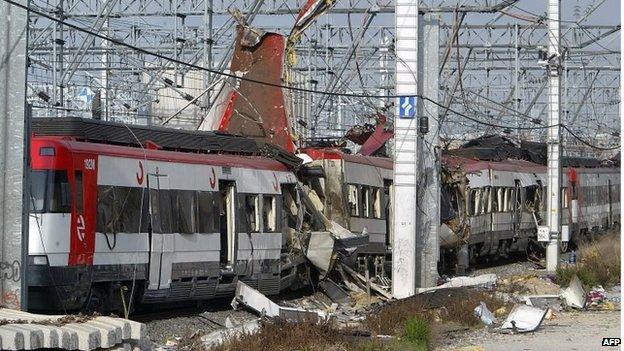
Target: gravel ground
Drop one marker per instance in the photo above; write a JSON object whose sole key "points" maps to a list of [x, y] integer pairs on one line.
{"points": [[567, 331], [172, 324], [512, 267]]}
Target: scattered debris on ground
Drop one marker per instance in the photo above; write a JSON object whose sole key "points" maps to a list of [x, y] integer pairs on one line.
{"points": [[352, 311]]}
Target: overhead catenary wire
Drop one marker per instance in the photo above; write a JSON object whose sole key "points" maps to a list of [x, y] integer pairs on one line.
{"points": [[260, 82]]}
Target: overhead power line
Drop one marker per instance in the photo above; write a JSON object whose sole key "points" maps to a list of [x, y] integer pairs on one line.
{"points": [[260, 82]]}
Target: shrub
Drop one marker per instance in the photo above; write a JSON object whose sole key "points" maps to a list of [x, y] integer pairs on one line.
{"points": [[417, 333], [598, 263]]}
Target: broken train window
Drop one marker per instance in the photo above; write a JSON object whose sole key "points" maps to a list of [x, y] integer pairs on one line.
{"points": [[376, 195], [251, 213], [366, 213], [269, 213], [354, 207]]}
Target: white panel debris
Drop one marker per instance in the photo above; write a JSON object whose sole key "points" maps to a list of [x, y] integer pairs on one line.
{"points": [[575, 295], [484, 280], [256, 301], [524, 318], [320, 250], [484, 314]]}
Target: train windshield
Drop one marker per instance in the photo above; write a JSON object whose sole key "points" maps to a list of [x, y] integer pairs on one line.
{"points": [[49, 191]]}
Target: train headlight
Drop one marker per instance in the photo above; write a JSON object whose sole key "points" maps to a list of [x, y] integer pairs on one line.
{"points": [[39, 260]]}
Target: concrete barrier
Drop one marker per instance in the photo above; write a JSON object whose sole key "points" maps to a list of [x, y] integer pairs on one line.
{"points": [[28, 331]]}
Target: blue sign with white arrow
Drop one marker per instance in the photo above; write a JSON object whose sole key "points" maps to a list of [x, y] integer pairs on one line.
{"points": [[407, 106], [86, 95]]}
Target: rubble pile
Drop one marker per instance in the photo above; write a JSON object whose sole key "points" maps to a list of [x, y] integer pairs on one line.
{"points": [[346, 300]]}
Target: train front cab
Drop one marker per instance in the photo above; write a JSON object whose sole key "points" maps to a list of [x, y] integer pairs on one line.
{"points": [[58, 275]]}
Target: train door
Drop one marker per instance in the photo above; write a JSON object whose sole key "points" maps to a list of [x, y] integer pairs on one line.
{"points": [[80, 221], [161, 237], [84, 206], [227, 222]]}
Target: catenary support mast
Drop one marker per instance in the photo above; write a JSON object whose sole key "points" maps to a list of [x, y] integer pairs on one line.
{"points": [[13, 226], [554, 139], [405, 274]]}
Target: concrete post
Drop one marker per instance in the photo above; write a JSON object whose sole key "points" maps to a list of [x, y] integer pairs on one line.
{"points": [[430, 161], [554, 152], [405, 212], [13, 231]]}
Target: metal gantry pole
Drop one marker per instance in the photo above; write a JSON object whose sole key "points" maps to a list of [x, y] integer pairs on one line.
{"points": [[405, 211], [13, 165], [516, 88], [208, 42], [554, 137]]}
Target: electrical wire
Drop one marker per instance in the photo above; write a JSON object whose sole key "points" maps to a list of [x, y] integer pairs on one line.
{"points": [[255, 81], [588, 143]]}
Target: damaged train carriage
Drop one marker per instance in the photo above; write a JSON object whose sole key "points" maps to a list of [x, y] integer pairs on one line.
{"points": [[496, 207], [487, 208], [355, 191]]}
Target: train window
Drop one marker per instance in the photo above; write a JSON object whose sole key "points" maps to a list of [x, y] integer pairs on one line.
{"points": [[37, 191], [376, 195], [58, 192], [122, 209], [512, 199], [485, 200], [279, 213], [531, 201], [79, 197], [106, 221], [144, 212], [127, 209], [354, 207], [160, 201], [291, 211], [47, 151], [494, 199], [186, 210], [251, 213], [366, 210], [500, 195], [477, 202], [470, 202], [269, 217], [164, 197], [506, 199], [208, 212], [474, 202]]}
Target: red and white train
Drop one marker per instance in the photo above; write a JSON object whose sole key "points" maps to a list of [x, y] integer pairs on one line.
{"points": [[112, 216], [167, 225]]}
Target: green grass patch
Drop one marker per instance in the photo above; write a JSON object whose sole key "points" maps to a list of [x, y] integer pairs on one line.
{"points": [[417, 333]]}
